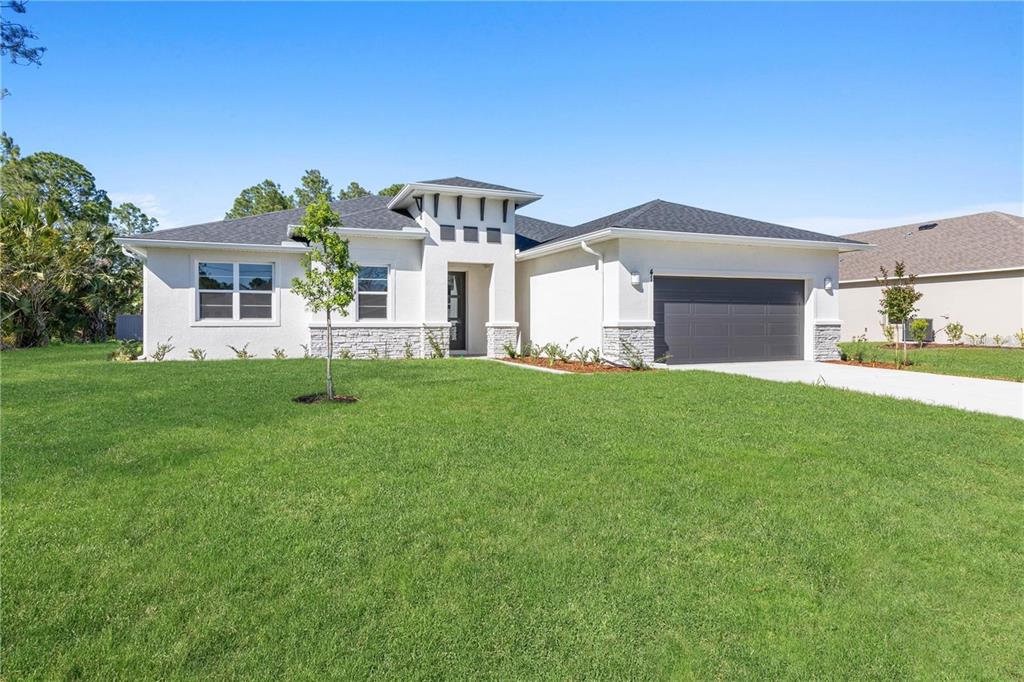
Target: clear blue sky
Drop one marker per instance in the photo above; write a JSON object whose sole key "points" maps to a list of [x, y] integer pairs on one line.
{"points": [[829, 116]]}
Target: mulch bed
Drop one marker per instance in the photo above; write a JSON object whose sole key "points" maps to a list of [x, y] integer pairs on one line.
{"points": [[576, 367], [314, 398], [878, 365]]}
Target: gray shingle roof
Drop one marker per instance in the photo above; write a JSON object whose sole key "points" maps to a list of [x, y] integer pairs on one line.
{"points": [[469, 184], [981, 241], [369, 212], [670, 217], [533, 231]]}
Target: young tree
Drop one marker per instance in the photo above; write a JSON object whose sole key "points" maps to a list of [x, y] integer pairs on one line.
{"points": [[899, 299], [328, 284], [391, 190], [353, 191], [265, 197], [312, 186]]}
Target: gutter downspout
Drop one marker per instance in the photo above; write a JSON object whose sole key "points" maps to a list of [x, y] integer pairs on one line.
{"points": [[600, 268]]}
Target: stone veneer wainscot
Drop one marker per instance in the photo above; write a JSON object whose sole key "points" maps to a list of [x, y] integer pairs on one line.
{"points": [[389, 341], [826, 340]]}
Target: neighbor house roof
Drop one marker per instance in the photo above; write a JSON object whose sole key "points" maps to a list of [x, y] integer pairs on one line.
{"points": [[665, 216], [369, 212], [981, 241]]}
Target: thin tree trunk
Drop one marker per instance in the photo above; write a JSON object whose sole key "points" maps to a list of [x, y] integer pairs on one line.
{"points": [[330, 355]]}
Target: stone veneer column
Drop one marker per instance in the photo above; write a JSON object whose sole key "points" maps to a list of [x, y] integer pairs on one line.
{"points": [[614, 338], [440, 333], [826, 340], [498, 334]]}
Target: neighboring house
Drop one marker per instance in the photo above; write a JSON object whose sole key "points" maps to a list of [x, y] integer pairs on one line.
{"points": [[970, 270], [451, 262]]}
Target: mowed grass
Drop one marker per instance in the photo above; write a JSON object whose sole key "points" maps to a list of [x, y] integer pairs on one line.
{"points": [[469, 519], [988, 363]]}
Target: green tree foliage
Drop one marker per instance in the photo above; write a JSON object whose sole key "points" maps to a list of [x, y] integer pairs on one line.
{"points": [[329, 273], [312, 186], [61, 273], [391, 190], [899, 297], [265, 197], [53, 179], [353, 191], [128, 219]]}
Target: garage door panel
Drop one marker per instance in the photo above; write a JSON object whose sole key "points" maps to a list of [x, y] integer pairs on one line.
{"points": [[728, 320]]}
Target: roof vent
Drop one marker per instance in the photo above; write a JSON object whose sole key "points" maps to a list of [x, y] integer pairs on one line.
{"points": [[927, 226]]}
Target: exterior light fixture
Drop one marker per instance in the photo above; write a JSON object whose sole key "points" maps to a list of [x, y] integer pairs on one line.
{"points": [[828, 284], [634, 278]]}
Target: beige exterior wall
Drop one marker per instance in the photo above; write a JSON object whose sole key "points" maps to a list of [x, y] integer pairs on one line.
{"points": [[986, 303]]}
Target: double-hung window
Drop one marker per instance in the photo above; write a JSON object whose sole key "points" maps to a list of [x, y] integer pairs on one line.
{"points": [[372, 293], [235, 291]]}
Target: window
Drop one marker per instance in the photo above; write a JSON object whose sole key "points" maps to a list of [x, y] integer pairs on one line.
{"points": [[470, 234], [493, 235], [447, 233], [372, 292], [236, 291]]}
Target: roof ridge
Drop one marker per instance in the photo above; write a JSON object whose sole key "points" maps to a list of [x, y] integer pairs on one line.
{"points": [[641, 209]]}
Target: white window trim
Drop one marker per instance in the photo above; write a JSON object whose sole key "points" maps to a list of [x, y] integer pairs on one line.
{"points": [[235, 321], [390, 299]]}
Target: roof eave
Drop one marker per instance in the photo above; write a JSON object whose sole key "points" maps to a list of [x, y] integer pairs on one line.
{"points": [[698, 237], [135, 244], [404, 198]]}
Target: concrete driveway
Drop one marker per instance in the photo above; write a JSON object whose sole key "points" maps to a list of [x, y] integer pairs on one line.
{"points": [[1005, 398]]}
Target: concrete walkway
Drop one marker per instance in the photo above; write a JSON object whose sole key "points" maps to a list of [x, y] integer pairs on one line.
{"points": [[1005, 398]]}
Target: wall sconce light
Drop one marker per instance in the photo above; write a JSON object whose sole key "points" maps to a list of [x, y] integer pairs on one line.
{"points": [[634, 278], [828, 284]]}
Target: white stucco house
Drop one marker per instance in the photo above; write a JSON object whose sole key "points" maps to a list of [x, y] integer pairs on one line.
{"points": [[454, 261], [969, 268]]}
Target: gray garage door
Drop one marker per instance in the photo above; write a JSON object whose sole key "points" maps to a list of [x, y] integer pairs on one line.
{"points": [[728, 320]]}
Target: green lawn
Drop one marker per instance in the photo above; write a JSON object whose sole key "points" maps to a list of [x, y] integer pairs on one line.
{"points": [[999, 363], [469, 519]]}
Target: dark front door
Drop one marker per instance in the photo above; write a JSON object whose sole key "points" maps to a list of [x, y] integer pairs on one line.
{"points": [[457, 310], [728, 320]]}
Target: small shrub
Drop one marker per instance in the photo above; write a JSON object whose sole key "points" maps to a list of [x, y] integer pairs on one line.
{"points": [[972, 339], [343, 354], [279, 354], [126, 351], [305, 350], [554, 352], [889, 330], [954, 332], [1019, 335], [999, 340], [197, 354], [509, 348], [374, 354], [243, 352], [633, 357], [919, 331], [407, 353], [595, 356], [858, 349], [163, 349], [982, 339], [436, 349]]}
